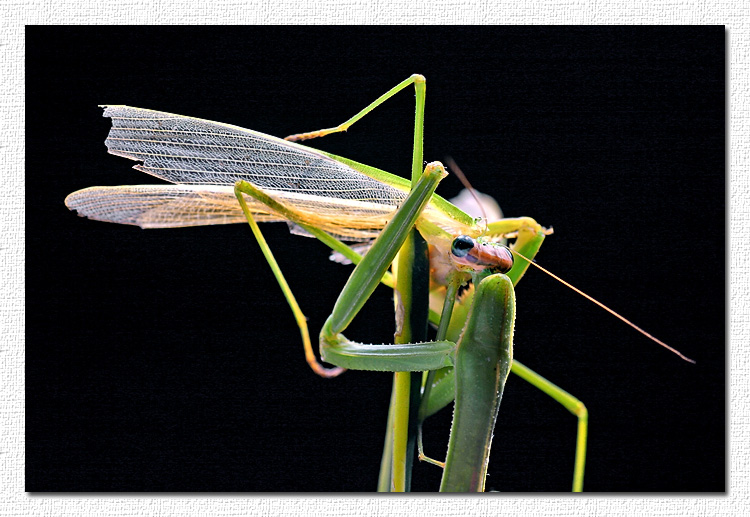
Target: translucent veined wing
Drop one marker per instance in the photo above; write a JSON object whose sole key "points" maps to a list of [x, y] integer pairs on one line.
{"points": [[160, 206], [174, 206], [206, 158]]}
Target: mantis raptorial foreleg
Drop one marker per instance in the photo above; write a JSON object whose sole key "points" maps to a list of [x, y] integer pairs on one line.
{"points": [[482, 364], [335, 348], [365, 277]]}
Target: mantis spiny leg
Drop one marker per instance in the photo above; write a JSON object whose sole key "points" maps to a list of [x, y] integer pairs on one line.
{"points": [[483, 360]]}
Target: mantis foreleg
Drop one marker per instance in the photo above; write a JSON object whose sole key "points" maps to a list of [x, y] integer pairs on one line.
{"points": [[365, 277], [483, 360], [334, 347]]}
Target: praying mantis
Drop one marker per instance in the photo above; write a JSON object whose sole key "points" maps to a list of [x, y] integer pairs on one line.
{"points": [[224, 174]]}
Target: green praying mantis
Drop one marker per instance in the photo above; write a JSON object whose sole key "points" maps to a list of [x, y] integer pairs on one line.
{"points": [[222, 174]]}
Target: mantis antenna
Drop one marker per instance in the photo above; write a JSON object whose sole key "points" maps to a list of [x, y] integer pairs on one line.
{"points": [[462, 177], [453, 166], [600, 304]]}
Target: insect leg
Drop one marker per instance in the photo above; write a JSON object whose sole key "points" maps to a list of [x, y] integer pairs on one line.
{"points": [[570, 403], [414, 79]]}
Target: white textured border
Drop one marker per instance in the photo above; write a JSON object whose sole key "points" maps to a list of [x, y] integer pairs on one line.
{"points": [[16, 14]]}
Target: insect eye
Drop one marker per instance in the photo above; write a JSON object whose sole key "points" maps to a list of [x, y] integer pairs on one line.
{"points": [[462, 245]]}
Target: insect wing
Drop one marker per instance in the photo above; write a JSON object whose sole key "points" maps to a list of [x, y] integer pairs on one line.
{"points": [[206, 158]]}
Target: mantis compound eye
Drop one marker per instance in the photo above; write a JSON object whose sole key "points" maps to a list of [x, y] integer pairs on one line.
{"points": [[462, 245]]}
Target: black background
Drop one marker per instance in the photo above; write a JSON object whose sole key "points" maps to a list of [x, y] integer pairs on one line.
{"points": [[167, 360]]}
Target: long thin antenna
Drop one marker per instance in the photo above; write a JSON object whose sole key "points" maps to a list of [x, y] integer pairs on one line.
{"points": [[464, 180], [613, 313], [452, 165]]}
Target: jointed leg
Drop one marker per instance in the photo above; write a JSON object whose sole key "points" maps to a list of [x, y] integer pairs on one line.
{"points": [[529, 238], [335, 348], [298, 315], [416, 78], [371, 270], [403, 391], [570, 403], [243, 187]]}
